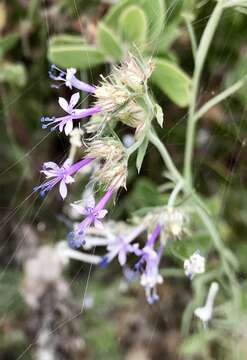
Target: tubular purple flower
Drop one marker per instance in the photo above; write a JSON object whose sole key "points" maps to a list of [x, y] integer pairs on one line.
{"points": [[148, 250], [66, 122], [62, 175], [69, 78], [151, 277], [121, 246], [93, 215], [148, 265]]}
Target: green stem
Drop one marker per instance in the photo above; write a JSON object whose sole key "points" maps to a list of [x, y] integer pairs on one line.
{"points": [[208, 223], [201, 209], [199, 63], [165, 155], [175, 193], [220, 97], [192, 36]]}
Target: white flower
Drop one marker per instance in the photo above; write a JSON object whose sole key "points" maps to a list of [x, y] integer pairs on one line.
{"points": [[205, 313], [194, 265]]}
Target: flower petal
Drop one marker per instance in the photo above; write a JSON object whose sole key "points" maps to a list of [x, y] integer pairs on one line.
{"points": [[74, 100], [69, 179], [63, 103], [80, 209], [102, 213], [98, 224], [67, 163], [122, 257], [68, 127], [63, 189], [70, 72], [61, 126], [50, 165], [90, 202]]}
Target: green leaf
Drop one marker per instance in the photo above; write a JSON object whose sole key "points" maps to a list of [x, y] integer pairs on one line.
{"points": [[154, 10], [13, 74], [108, 42], [156, 13], [183, 249], [173, 81], [141, 154], [133, 25], [175, 8], [65, 39], [79, 56], [159, 114], [167, 37], [112, 16], [144, 194], [7, 43]]}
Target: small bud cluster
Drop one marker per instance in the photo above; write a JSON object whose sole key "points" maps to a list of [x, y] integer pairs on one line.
{"points": [[114, 161], [175, 222], [119, 94]]}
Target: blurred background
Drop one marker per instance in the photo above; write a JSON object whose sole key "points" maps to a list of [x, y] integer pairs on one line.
{"points": [[50, 310]]}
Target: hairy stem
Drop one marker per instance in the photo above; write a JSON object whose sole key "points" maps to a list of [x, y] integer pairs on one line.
{"points": [[220, 97], [199, 63], [165, 155]]}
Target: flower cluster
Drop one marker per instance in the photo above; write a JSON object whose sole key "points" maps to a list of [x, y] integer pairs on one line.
{"points": [[122, 96]]}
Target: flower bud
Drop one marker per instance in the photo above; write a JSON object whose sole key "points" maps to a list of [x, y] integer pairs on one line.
{"points": [[133, 72], [175, 224], [113, 170]]}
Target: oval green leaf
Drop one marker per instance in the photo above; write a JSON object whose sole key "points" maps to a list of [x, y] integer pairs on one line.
{"points": [[65, 39], [156, 14], [173, 81], [155, 11], [108, 42], [133, 25], [112, 16], [78, 56]]}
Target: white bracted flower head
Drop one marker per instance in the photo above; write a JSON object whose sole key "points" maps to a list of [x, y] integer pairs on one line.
{"points": [[117, 93], [134, 72], [205, 313], [114, 161], [134, 115], [194, 265], [175, 224], [110, 94]]}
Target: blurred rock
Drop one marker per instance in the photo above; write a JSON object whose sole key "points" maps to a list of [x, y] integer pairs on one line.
{"points": [[53, 324], [28, 242]]}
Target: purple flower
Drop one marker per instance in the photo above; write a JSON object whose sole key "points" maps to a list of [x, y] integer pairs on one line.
{"points": [[62, 175], [148, 265], [66, 122], [121, 246], [93, 215], [69, 78]]}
